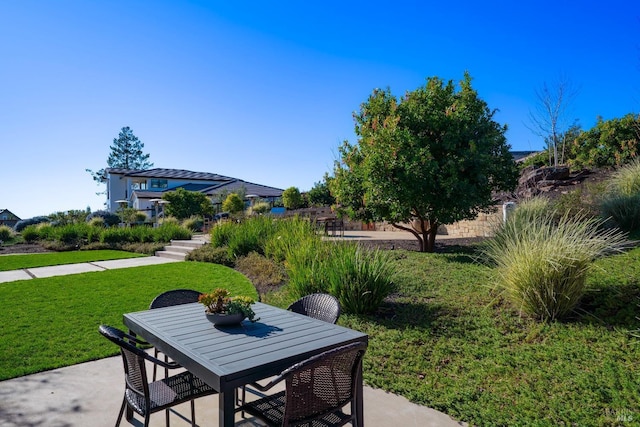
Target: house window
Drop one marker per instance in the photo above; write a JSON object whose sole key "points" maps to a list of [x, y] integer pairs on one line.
{"points": [[159, 183], [139, 185]]}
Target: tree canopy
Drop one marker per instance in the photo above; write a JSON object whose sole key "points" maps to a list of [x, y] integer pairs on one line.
{"points": [[292, 199], [433, 157], [184, 204], [126, 152]]}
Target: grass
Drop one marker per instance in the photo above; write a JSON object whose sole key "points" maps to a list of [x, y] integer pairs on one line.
{"points": [[448, 342], [53, 322], [445, 340], [17, 262]]}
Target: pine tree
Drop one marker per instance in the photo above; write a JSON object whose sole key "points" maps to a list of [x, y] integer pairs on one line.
{"points": [[126, 153]]}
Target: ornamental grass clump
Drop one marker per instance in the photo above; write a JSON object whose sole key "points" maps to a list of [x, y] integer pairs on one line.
{"points": [[542, 262], [360, 278], [622, 203]]}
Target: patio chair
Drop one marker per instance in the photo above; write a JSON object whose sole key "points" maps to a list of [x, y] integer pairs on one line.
{"points": [[146, 398], [319, 306], [167, 299], [316, 391]]}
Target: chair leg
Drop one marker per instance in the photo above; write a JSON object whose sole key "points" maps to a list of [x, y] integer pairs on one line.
{"points": [[155, 367], [193, 413], [124, 404], [167, 416]]}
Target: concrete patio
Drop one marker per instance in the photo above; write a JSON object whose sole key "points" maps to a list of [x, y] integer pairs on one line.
{"points": [[90, 394]]}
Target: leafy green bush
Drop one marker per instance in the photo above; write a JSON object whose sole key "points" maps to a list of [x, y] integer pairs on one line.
{"points": [[360, 278], [142, 234], [69, 234], [6, 233], [210, 253], [542, 262], [45, 231]]}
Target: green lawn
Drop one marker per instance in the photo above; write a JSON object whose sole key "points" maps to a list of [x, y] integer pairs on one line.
{"points": [[445, 340], [17, 262], [53, 322], [448, 342]]}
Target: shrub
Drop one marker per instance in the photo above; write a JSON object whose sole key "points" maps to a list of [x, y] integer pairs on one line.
{"points": [[263, 272], [260, 208], [142, 234], [360, 278], [221, 233], [621, 205], [108, 218], [142, 248], [30, 233], [194, 223], [287, 236], [623, 211], [233, 204], [68, 234], [115, 235], [20, 225], [97, 222], [307, 267], [168, 231], [542, 263], [6, 233], [210, 253], [45, 231]]}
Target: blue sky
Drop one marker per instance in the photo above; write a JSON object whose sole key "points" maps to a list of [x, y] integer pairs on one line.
{"points": [[265, 91]]}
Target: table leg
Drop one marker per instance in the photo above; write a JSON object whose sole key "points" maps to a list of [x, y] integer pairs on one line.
{"points": [[360, 398], [226, 409]]}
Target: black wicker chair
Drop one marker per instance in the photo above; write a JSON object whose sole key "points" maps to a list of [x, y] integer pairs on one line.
{"points": [[319, 306], [316, 391], [167, 299], [146, 398]]}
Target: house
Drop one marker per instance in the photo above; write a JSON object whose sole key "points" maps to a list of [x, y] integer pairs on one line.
{"points": [[141, 189], [8, 218]]}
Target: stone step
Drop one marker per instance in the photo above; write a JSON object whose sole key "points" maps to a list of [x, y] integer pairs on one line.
{"points": [[171, 254], [193, 243]]}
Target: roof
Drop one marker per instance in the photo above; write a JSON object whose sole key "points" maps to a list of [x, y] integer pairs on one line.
{"points": [[249, 187], [7, 211], [169, 174]]}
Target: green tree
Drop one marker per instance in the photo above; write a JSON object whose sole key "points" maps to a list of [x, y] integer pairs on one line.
{"points": [[126, 153], [233, 204], [320, 193], [609, 143], [184, 204], [433, 157], [292, 199]]}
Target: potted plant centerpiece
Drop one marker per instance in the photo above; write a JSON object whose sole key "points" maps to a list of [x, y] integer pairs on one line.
{"points": [[223, 309]]}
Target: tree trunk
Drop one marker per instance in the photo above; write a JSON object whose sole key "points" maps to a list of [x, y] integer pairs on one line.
{"points": [[424, 230]]}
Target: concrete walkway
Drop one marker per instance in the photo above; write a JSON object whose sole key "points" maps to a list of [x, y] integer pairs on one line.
{"points": [[84, 267], [90, 394]]}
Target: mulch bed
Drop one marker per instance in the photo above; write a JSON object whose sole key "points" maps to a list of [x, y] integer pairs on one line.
{"points": [[23, 248]]}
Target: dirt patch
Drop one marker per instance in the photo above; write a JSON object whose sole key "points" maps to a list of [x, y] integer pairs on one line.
{"points": [[23, 248]]}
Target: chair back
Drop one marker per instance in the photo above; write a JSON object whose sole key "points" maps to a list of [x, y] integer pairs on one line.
{"points": [[174, 297], [319, 306], [133, 359], [322, 384]]}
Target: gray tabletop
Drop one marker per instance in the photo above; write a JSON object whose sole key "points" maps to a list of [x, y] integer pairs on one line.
{"points": [[231, 356]]}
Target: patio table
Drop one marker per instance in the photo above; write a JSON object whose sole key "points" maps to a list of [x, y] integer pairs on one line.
{"points": [[227, 357]]}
